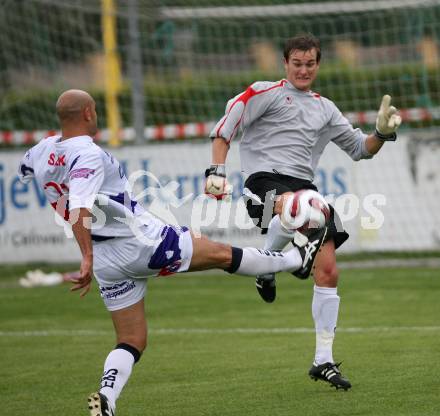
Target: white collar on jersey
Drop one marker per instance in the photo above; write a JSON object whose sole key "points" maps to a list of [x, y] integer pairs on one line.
{"points": [[291, 86], [76, 140]]}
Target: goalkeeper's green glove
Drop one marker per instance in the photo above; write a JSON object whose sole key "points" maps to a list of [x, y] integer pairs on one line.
{"points": [[387, 121]]}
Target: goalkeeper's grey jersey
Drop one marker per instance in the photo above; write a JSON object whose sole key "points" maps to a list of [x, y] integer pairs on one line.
{"points": [[286, 130]]}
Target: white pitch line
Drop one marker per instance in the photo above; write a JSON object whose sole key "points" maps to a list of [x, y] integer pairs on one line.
{"points": [[178, 331]]}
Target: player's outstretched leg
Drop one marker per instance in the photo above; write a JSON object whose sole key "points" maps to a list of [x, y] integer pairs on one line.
{"points": [[330, 373], [99, 405], [248, 261]]}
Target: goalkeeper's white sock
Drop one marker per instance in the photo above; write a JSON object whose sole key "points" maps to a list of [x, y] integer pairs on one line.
{"points": [[252, 261], [117, 370], [277, 236], [325, 308]]}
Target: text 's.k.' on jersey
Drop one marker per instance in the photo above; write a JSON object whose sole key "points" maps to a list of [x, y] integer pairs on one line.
{"points": [[285, 130], [76, 173]]}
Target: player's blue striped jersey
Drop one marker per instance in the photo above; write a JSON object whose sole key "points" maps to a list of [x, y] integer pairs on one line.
{"points": [[286, 130], [76, 173]]}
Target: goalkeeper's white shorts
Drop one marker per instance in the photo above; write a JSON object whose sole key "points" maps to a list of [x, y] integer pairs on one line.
{"points": [[121, 265]]}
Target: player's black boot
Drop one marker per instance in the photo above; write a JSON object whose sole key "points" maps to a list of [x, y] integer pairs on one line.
{"points": [[99, 405], [330, 373], [266, 286], [309, 251]]}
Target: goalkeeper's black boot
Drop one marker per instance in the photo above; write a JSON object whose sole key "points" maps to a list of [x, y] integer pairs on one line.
{"points": [[330, 373], [309, 251], [266, 287], [99, 405]]}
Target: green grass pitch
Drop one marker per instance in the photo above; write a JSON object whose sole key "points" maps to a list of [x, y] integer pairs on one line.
{"points": [[215, 348]]}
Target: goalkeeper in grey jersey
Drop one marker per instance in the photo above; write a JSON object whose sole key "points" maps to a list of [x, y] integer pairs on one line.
{"points": [[285, 128]]}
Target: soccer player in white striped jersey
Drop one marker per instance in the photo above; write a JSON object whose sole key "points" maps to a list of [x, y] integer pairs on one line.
{"points": [[120, 242], [285, 128]]}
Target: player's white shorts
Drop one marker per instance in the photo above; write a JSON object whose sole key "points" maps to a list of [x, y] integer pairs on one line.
{"points": [[122, 264]]}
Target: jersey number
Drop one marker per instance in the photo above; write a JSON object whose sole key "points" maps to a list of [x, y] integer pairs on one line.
{"points": [[61, 205]]}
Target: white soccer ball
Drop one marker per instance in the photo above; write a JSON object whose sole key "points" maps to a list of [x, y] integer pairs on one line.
{"points": [[306, 211]]}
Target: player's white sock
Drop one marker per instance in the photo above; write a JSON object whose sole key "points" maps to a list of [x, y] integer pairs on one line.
{"points": [[277, 236], [117, 370], [256, 262], [325, 308]]}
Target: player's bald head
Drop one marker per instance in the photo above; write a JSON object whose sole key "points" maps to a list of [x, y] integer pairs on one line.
{"points": [[71, 104]]}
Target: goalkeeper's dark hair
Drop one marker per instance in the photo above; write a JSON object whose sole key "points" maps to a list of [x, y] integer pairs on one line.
{"points": [[302, 42]]}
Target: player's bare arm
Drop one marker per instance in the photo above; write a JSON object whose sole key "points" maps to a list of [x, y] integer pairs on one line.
{"points": [[373, 144], [81, 221], [220, 148]]}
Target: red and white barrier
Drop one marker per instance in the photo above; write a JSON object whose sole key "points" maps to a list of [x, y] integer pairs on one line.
{"points": [[189, 130]]}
